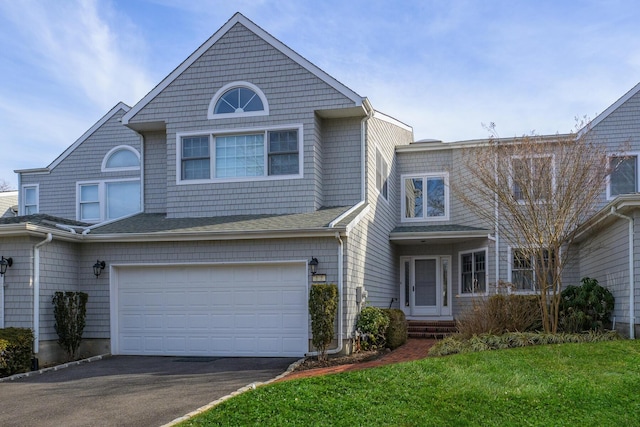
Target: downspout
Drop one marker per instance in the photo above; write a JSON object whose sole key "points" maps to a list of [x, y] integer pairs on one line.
{"points": [[363, 198], [632, 286], [36, 292], [497, 223]]}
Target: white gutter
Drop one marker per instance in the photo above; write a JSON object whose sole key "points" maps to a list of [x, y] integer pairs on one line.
{"points": [[36, 292], [66, 227], [632, 309]]}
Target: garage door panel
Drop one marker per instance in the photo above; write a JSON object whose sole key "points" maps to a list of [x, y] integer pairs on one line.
{"points": [[225, 310]]}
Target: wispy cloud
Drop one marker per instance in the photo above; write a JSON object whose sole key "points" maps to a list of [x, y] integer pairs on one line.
{"points": [[65, 64]]}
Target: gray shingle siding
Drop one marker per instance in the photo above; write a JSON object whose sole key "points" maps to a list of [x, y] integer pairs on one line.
{"points": [[373, 259], [293, 95], [341, 162], [57, 189], [619, 131], [155, 172], [605, 257]]}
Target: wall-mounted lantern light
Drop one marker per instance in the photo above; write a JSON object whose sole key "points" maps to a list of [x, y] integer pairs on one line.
{"points": [[4, 264], [98, 267], [313, 266]]}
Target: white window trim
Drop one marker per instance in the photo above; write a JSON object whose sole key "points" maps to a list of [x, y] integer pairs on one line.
{"points": [[23, 204], [629, 154], [486, 272], [537, 156], [510, 251], [385, 176], [102, 200], [227, 132], [425, 218], [104, 167], [212, 105]]}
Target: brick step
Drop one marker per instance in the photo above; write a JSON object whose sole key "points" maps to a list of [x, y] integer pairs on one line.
{"points": [[431, 329]]}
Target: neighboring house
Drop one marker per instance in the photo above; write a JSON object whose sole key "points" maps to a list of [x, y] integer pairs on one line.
{"points": [[208, 198], [8, 204]]}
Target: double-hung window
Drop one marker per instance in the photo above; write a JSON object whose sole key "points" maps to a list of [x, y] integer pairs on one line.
{"points": [[195, 157], [623, 178], [107, 200], [227, 156], [30, 199], [527, 266], [532, 178], [425, 197], [473, 272]]}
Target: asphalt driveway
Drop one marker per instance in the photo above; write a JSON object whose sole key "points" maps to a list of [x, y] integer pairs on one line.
{"points": [[129, 390]]}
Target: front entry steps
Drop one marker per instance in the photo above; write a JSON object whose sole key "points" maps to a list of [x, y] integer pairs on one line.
{"points": [[431, 329]]}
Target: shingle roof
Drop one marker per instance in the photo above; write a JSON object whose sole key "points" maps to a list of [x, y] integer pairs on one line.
{"points": [[159, 223], [42, 220], [436, 229]]}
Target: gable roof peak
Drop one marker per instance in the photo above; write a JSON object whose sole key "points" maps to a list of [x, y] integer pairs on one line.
{"points": [[271, 40], [600, 117], [119, 106]]}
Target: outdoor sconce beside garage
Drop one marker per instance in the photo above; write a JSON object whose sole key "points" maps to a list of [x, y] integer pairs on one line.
{"points": [[4, 264], [98, 267]]}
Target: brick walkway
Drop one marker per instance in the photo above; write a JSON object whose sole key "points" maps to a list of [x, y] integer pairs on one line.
{"points": [[414, 349]]}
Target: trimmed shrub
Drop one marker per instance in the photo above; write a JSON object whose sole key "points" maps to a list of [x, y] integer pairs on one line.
{"points": [[70, 311], [16, 345], [459, 344], [371, 328], [499, 313], [397, 333], [323, 305], [585, 307]]}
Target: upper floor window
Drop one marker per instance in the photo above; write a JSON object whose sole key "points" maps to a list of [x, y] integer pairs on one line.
{"points": [[382, 174], [30, 199], [624, 175], [532, 178], [265, 154], [106, 200], [473, 272], [121, 158], [238, 99], [526, 267], [425, 197]]}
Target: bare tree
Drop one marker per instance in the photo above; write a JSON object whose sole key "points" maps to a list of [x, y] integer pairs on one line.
{"points": [[537, 190], [5, 186]]}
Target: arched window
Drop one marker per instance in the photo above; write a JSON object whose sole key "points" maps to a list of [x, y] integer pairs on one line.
{"points": [[120, 159], [238, 99]]}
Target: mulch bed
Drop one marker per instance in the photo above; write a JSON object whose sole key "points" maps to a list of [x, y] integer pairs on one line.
{"points": [[336, 360]]}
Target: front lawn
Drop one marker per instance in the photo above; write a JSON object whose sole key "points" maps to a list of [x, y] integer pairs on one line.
{"points": [[589, 384]]}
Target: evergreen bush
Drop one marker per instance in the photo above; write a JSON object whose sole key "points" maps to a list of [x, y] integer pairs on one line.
{"points": [[371, 328], [70, 311], [16, 348], [323, 305], [397, 331], [585, 307]]}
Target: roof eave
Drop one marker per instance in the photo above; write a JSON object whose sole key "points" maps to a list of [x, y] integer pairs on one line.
{"points": [[214, 235]]}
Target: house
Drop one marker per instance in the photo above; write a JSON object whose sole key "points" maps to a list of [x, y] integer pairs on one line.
{"points": [[8, 204], [191, 217]]}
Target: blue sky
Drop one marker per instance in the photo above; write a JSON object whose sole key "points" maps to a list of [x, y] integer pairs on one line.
{"points": [[443, 67]]}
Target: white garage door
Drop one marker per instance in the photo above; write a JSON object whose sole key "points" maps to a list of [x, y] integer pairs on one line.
{"points": [[220, 310]]}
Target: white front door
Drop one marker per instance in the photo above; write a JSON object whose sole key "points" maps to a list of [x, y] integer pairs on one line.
{"points": [[425, 284]]}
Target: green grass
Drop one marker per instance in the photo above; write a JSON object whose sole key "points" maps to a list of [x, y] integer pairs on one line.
{"points": [[589, 384]]}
